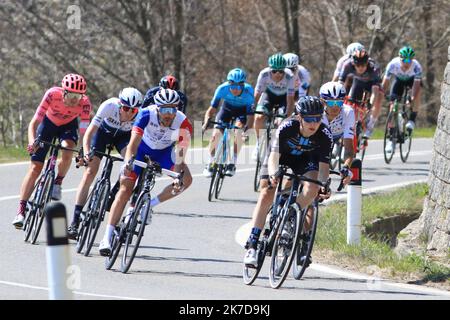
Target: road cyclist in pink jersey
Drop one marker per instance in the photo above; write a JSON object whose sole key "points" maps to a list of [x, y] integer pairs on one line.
{"points": [[56, 117]]}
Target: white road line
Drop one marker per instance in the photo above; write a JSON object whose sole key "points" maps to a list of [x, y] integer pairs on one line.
{"points": [[374, 282], [15, 284]]}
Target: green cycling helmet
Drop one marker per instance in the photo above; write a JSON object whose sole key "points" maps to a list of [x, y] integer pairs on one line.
{"points": [[277, 62], [406, 52]]}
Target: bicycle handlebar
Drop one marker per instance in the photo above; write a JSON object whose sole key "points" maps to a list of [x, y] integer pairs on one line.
{"points": [[151, 165], [41, 144], [282, 116]]}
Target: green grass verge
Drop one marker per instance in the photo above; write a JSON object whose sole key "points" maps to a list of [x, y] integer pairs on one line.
{"points": [[331, 236], [13, 154], [426, 132]]}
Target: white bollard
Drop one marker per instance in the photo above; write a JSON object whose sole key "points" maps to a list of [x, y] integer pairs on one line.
{"points": [[354, 205], [57, 252]]}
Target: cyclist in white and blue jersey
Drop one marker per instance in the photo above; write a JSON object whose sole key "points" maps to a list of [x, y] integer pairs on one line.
{"points": [[237, 99]]}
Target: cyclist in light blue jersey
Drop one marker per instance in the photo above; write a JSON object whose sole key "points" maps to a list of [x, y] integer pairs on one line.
{"points": [[237, 99]]}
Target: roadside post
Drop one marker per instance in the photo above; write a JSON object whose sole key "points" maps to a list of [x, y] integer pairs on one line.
{"points": [[354, 204]]}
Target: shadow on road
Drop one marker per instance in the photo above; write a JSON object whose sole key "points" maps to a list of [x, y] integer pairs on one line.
{"points": [[196, 215]]}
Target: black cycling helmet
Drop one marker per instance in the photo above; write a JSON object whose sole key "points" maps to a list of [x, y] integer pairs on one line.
{"points": [[308, 105]]}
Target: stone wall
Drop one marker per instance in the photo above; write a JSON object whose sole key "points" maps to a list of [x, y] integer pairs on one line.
{"points": [[433, 227]]}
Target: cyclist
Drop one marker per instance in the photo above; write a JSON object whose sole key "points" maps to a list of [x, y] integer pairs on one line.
{"points": [[56, 116], [347, 57], [275, 87], [111, 125], [237, 97], [303, 143], [340, 119], [163, 133], [301, 75], [408, 73], [361, 74], [166, 82]]}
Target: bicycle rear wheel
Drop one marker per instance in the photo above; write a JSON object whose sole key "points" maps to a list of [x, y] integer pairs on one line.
{"points": [[86, 220], [44, 198], [259, 161], [96, 215], [116, 244], [305, 245], [135, 231], [29, 220], [285, 244], [389, 135], [405, 145]]}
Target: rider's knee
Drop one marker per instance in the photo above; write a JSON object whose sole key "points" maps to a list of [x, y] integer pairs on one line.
{"points": [[36, 168]]}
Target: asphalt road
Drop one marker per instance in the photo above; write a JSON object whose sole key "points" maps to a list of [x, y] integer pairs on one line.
{"points": [[189, 251]]}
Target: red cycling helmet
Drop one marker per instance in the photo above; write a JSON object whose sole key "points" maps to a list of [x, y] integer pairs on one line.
{"points": [[74, 83], [169, 82]]}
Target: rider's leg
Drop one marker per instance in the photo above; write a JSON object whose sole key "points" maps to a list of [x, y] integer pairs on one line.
{"points": [[309, 193], [416, 94], [169, 192], [28, 184]]}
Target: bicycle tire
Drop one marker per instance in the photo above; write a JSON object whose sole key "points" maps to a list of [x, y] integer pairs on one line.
{"points": [[29, 221], [250, 274], [298, 268], [44, 198], [389, 137], [405, 146], [212, 182], [97, 218], [143, 203], [256, 180], [219, 180], [116, 244], [86, 220], [292, 211], [259, 162]]}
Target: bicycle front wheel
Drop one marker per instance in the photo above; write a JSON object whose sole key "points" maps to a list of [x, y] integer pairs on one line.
{"points": [[259, 161], [116, 244], [135, 231], [97, 213], [305, 245], [389, 136], [43, 198], [213, 182], [405, 146], [285, 244], [86, 220], [219, 180]]}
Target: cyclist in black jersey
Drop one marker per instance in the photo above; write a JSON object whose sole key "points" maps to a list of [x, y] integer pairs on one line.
{"points": [[303, 143]]}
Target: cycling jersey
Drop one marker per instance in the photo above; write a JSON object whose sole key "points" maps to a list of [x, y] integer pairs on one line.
{"points": [[283, 87], [302, 80], [108, 116], [52, 106], [394, 68], [371, 75], [158, 137], [341, 63], [149, 99], [245, 99], [343, 124]]}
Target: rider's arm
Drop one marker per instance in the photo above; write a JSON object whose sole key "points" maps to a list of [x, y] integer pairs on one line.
{"points": [[290, 95], [349, 133], [184, 141], [90, 132], [32, 127], [209, 114], [218, 96], [133, 145], [273, 164], [85, 118], [385, 84], [324, 153]]}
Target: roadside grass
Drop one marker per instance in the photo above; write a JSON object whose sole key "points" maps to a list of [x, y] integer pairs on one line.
{"points": [[419, 132], [370, 255], [13, 154]]}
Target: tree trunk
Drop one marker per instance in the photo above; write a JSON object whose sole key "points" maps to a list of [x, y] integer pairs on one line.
{"points": [[290, 12], [431, 109]]}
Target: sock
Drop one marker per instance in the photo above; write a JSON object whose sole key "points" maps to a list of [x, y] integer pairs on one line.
{"points": [[109, 232], [59, 180], [22, 207], [235, 158], [77, 213], [154, 202], [254, 237]]}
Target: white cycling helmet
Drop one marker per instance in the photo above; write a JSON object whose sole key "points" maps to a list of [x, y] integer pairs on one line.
{"points": [[166, 96], [353, 46], [291, 60], [131, 97], [332, 91]]}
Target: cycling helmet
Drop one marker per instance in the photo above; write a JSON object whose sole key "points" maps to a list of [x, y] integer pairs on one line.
{"points": [[360, 56], [169, 82], [291, 60], [277, 62], [353, 46], [74, 83], [166, 96], [406, 52], [332, 91], [237, 75], [131, 97], [308, 105]]}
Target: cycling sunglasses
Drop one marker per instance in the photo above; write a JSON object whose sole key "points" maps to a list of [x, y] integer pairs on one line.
{"points": [[334, 103], [73, 95], [277, 71], [236, 85], [312, 119], [127, 108], [293, 69], [167, 110], [406, 60]]}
